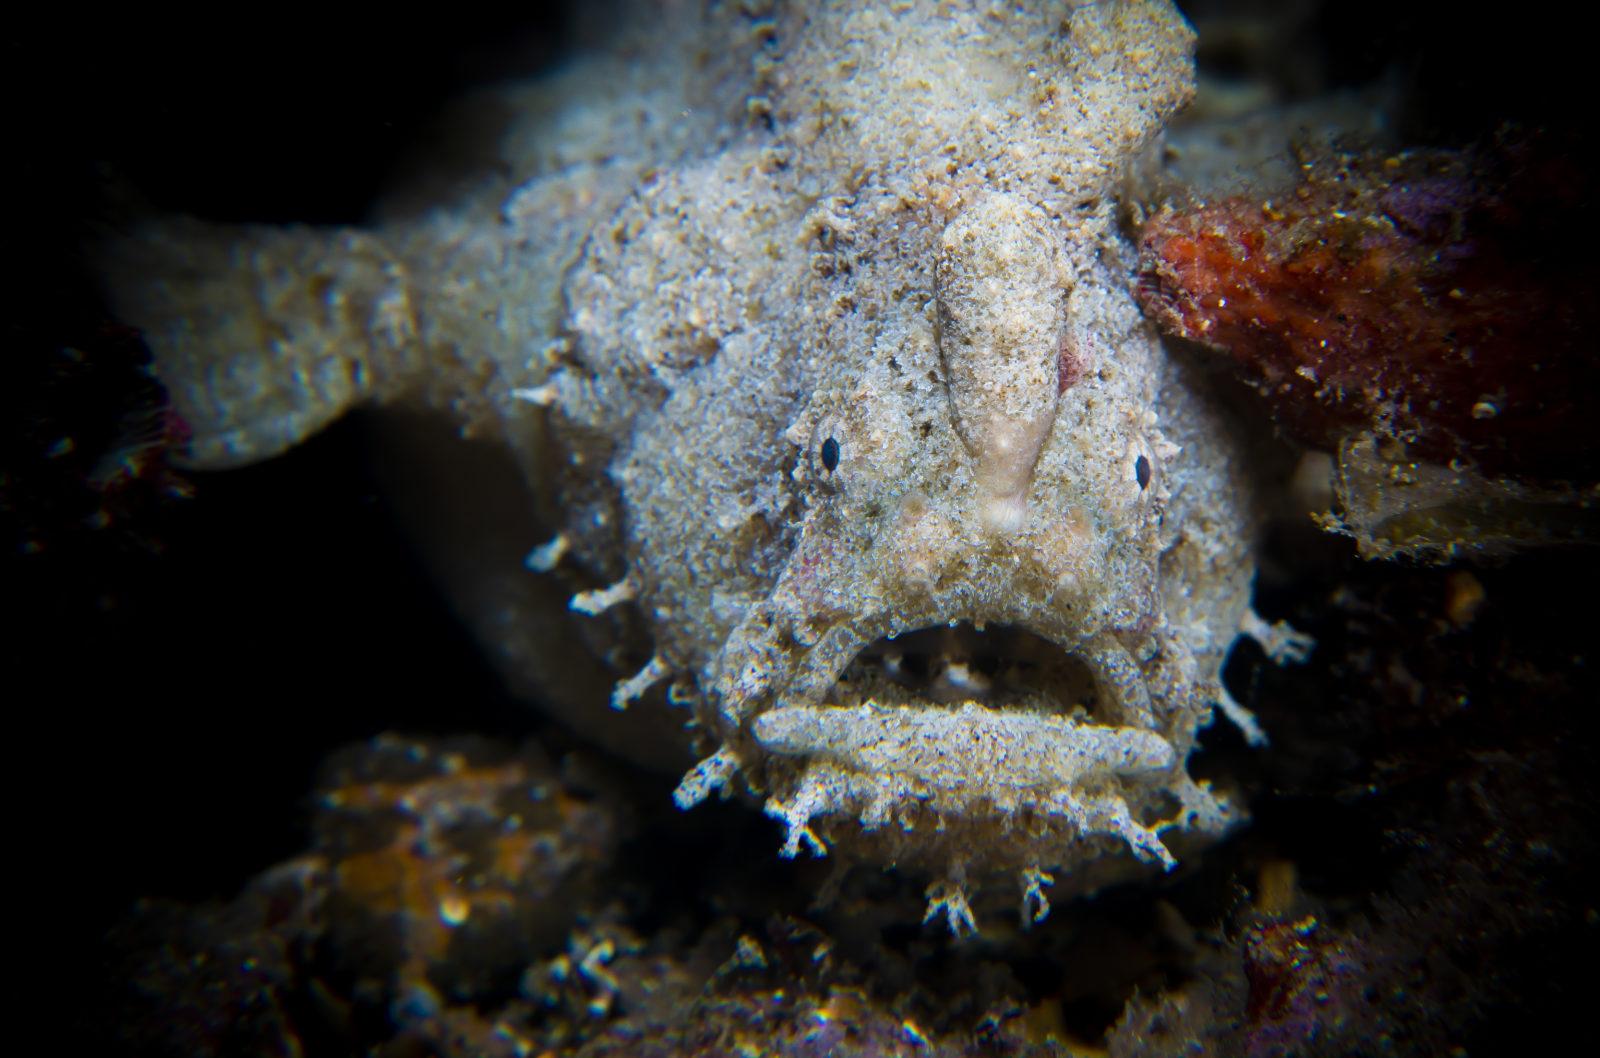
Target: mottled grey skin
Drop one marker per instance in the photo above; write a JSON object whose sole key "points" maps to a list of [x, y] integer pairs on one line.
{"points": [[727, 238]]}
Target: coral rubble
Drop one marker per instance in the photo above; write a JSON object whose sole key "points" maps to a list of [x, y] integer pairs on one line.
{"points": [[438, 871]]}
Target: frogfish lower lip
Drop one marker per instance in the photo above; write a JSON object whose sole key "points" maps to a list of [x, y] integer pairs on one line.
{"points": [[1033, 749], [878, 762]]}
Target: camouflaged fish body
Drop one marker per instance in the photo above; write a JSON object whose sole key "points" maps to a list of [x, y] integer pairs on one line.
{"points": [[809, 329]]}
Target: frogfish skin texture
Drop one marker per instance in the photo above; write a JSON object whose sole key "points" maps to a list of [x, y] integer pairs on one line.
{"points": [[798, 343]]}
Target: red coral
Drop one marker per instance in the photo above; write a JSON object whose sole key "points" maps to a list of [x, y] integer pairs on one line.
{"points": [[1436, 297]]}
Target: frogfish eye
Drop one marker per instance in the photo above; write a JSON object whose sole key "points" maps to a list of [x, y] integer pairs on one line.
{"points": [[1141, 471], [830, 455]]}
